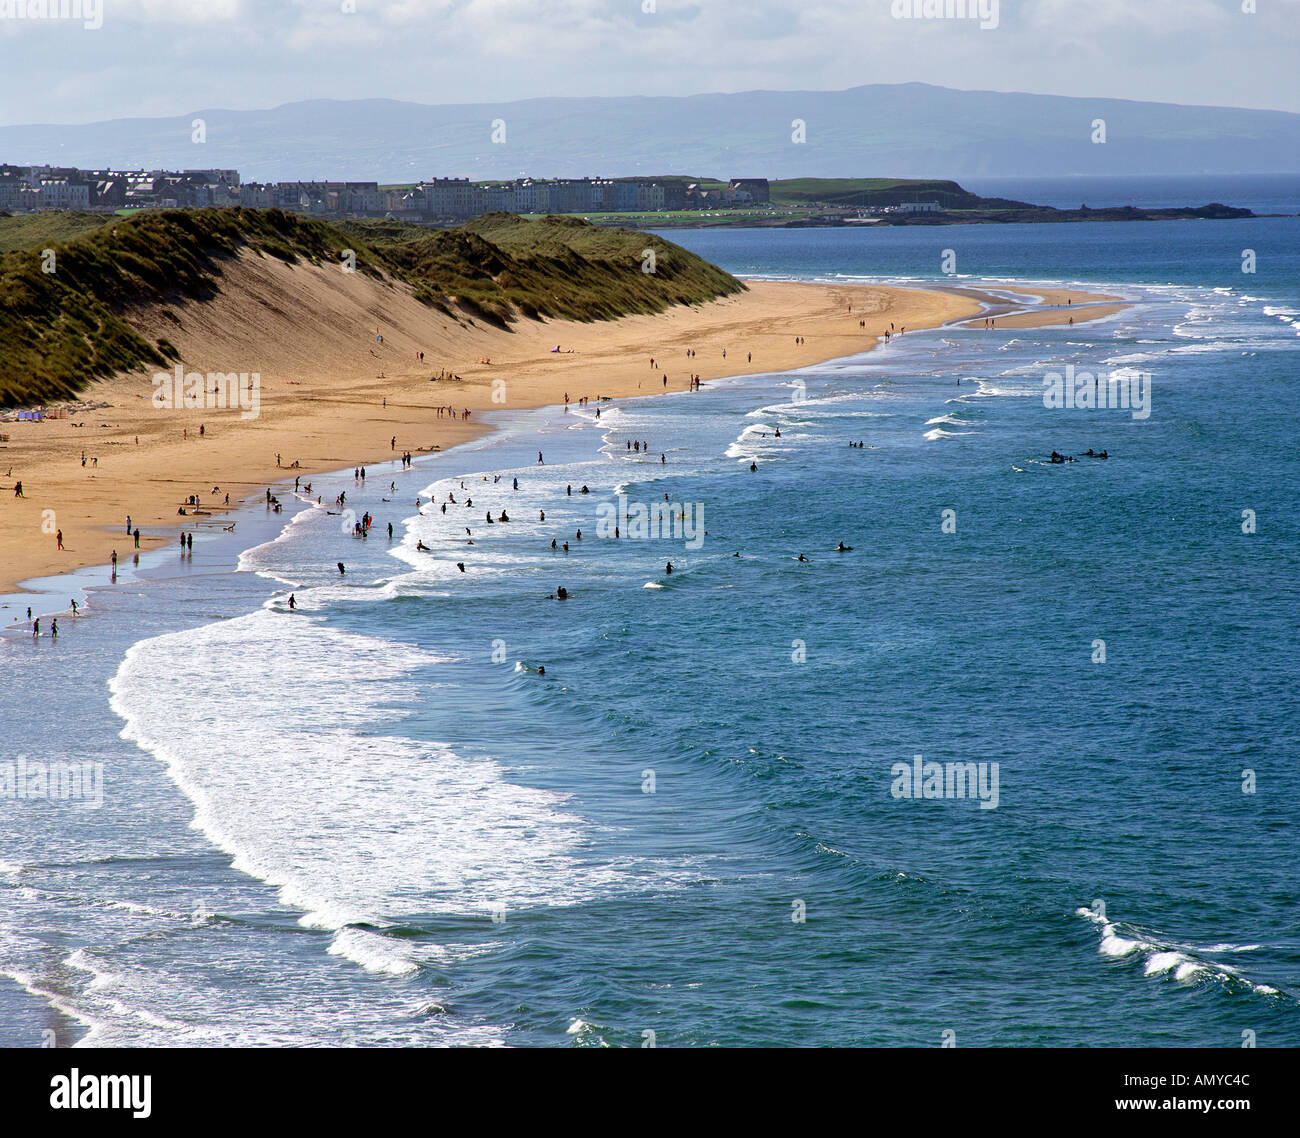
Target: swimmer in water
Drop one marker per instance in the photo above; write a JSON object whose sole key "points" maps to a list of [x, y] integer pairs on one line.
{"points": [[561, 594], [842, 548], [753, 466], [421, 547], [541, 669], [461, 566], [341, 569], [668, 568]]}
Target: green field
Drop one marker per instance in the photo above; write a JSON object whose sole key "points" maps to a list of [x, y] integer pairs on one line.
{"points": [[28, 230]]}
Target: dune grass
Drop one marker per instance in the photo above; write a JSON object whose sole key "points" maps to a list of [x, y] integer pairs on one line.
{"points": [[60, 330]]}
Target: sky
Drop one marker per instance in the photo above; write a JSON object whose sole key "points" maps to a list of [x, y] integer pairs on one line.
{"points": [[141, 58]]}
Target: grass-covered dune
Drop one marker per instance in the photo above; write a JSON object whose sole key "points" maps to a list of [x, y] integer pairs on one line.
{"points": [[499, 266], [59, 330]]}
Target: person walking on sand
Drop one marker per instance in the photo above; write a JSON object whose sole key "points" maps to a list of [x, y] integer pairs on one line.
{"points": [[18, 489], [58, 537], [539, 459]]}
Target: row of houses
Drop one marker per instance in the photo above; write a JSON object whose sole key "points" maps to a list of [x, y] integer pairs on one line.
{"points": [[25, 188]]}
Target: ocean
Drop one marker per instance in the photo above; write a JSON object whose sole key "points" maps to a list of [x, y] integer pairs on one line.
{"points": [[715, 819]]}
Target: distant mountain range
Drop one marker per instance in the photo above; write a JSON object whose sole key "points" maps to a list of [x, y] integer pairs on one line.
{"points": [[900, 130]]}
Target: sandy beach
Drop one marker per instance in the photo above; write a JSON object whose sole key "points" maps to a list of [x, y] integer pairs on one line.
{"points": [[347, 387]]}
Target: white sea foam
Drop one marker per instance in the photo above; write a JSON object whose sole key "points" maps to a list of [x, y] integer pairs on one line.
{"points": [[1162, 956], [268, 724]]}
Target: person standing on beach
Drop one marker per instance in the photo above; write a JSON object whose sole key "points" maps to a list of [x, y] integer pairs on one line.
{"points": [[136, 535]]}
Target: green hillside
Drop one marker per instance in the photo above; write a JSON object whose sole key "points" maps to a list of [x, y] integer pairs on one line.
{"points": [[60, 330], [861, 193]]}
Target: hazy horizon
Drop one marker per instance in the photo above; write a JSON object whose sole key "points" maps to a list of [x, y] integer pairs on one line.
{"points": [[185, 111], [149, 58]]}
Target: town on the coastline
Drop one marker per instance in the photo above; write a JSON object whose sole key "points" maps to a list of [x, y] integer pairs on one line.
{"points": [[25, 189], [30, 188]]}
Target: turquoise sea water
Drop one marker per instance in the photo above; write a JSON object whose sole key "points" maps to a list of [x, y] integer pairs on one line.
{"points": [[372, 821]]}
